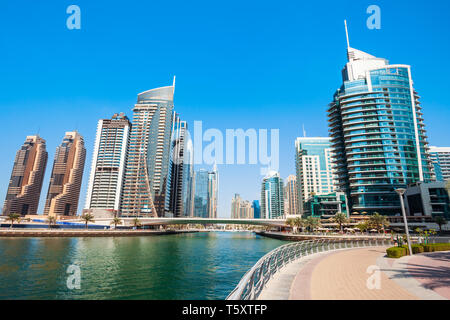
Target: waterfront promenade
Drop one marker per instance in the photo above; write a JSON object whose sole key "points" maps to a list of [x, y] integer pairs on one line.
{"points": [[344, 274]]}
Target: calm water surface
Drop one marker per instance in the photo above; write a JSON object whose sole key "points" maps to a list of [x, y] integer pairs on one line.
{"points": [[190, 266]]}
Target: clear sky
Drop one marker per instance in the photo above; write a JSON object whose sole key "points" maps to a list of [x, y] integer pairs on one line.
{"points": [[239, 64]]}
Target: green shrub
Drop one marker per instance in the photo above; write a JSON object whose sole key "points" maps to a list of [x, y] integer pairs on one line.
{"points": [[432, 247], [396, 252], [417, 248]]}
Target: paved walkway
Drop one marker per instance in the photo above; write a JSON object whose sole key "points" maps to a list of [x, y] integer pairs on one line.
{"points": [[352, 274]]}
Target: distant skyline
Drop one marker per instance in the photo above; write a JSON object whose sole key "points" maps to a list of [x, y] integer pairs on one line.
{"points": [[238, 65]]}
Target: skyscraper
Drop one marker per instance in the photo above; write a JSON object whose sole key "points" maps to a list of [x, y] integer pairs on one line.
{"points": [[440, 157], [201, 194], [108, 164], [147, 165], [67, 174], [27, 176], [291, 196], [179, 188], [256, 209], [241, 209], [313, 168], [205, 193], [272, 198], [378, 133], [213, 190]]}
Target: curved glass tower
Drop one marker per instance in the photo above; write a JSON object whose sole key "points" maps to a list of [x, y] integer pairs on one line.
{"points": [[378, 133]]}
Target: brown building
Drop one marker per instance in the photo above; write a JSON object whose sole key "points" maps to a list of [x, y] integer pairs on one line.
{"points": [[26, 179], [67, 173]]}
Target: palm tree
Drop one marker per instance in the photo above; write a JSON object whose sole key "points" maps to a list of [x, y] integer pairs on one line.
{"points": [[51, 220], [340, 219], [363, 226], [136, 222], [299, 222], [378, 221], [290, 222], [115, 221], [440, 221], [312, 223], [13, 217], [87, 217]]}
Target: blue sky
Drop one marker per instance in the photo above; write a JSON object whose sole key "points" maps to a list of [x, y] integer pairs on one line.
{"points": [[239, 64]]}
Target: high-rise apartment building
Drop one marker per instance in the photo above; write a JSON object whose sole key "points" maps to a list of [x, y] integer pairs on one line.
{"points": [[377, 132], [147, 167], [291, 196], [440, 157], [27, 176], [67, 174], [206, 193], [201, 194], [241, 209], [108, 164], [272, 197], [179, 181], [213, 190], [314, 168], [256, 209]]}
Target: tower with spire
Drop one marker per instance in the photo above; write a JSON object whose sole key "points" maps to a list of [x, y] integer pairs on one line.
{"points": [[377, 132]]}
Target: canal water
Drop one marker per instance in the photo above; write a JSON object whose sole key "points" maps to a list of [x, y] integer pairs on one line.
{"points": [[205, 265]]}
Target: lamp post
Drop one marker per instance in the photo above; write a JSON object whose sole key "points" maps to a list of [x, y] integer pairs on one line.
{"points": [[401, 192]]}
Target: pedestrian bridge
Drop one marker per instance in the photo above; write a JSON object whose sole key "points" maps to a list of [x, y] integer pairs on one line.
{"points": [[188, 220]]}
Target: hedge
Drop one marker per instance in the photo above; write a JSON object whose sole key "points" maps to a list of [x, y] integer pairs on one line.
{"points": [[398, 252]]}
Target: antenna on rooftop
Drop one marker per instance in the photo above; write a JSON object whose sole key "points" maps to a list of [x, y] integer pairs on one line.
{"points": [[346, 34]]}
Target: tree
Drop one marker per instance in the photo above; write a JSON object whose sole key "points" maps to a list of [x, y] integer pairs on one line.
{"points": [[340, 219], [312, 223], [378, 221], [115, 221], [440, 221], [136, 222], [51, 220], [299, 222], [363, 226], [13, 217], [290, 222], [87, 217]]}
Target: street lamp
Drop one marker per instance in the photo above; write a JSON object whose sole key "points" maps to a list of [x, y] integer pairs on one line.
{"points": [[401, 192]]}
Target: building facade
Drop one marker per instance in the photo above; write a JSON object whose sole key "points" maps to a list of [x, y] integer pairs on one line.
{"points": [[326, 206], [256, 209], [108, 164], [180, 169], [201, 194], [147, 167], [272, 196], [440, 157], [67, 174], [213, 192], [378, 133], [314, 168], [291, 196], [25, 184], [241, 209], [427, 199]]}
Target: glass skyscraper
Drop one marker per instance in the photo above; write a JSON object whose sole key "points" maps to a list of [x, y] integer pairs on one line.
{"points": [[378, 133], [201, 194], [272, 197]]}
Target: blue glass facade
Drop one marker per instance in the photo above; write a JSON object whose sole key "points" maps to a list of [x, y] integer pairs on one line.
{"points": [[378, 134]]}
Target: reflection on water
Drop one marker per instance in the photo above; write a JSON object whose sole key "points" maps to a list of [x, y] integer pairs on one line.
{"points": [[190, 266]]}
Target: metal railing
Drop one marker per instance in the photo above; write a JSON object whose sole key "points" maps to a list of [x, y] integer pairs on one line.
{"points": [[254, 281]]}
